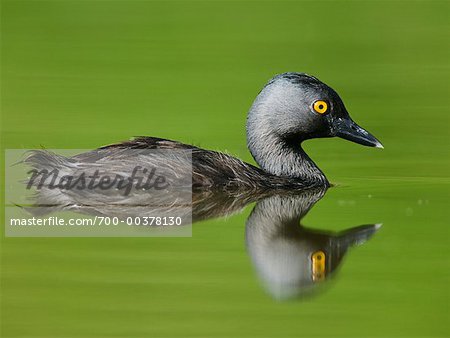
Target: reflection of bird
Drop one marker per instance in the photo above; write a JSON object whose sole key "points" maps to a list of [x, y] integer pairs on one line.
{"points": [[291, 108], [290, 259], [190, 206]]}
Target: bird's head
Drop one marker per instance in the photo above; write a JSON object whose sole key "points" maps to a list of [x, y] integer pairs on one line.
{"points": [[295, 107]]}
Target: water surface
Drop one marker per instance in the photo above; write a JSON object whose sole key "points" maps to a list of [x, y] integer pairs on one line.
{"points": [[81, 74]]}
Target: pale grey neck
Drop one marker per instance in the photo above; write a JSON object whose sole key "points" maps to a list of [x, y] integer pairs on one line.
{"points": [[273, 115], [280, 158]]}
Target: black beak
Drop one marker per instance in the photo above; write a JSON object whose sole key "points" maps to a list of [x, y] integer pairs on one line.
{"points": [[347, 129]]}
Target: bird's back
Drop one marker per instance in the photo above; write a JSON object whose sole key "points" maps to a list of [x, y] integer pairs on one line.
{"points": [[210, 169]]}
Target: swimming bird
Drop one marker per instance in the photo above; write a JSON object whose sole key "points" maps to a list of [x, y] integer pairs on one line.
{"points": [[291, 108]]}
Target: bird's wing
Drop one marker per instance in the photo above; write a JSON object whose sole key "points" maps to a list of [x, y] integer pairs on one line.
{"points": [[135, 144], [147, 142]]}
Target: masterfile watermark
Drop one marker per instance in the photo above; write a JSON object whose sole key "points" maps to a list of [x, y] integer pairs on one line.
{"points": [[97, 221], [140, 178], [100, 193]]}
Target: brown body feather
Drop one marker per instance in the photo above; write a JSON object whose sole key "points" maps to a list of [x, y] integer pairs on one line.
{"points": [[212, 169]]}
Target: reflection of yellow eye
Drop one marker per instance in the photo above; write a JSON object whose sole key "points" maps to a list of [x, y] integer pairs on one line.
{"points": [[318, 260], [320, 107]]}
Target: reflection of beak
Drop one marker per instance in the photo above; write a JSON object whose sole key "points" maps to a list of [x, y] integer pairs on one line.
{"points": [[347, 129], [357, 235]]}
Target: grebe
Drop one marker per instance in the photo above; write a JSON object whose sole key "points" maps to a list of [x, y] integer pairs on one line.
{"points": [[291, 108]]}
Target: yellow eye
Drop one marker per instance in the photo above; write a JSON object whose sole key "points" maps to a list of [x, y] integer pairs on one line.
{"points": [[320, 107]]}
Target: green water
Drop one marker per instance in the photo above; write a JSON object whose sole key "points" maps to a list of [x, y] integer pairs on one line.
{"points": [[80, 74]]}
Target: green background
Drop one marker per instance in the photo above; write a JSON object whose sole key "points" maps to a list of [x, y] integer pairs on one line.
{"points": [[81, 74]]}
